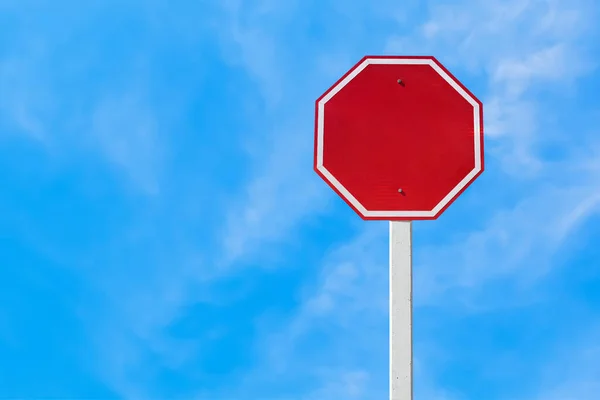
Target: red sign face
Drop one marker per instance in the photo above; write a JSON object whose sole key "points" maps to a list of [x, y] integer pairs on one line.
{"points": [[398, 138]]}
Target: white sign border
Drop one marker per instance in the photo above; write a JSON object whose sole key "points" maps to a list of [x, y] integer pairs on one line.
{"points": [[477, 129]]}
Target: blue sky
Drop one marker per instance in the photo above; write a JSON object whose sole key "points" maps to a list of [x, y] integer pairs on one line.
{"points": [[163, 235]]}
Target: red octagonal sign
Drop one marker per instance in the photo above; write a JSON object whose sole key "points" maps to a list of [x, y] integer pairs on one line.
{"points": [[398, 138]]}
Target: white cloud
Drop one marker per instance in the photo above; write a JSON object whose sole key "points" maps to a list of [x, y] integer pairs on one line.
{"points": [[249, 37], [283, 192], [518, 244], [343, 317], [338, 340], [548, 64], [334, 345], [126, 132], [25, 102], [133, 304], [350, 300], [519, 45], [121, 127], [570, 371]]}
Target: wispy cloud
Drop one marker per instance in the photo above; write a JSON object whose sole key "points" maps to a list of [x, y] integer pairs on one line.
{"points": [[54, 97], [282, 191], [519, 45], [249, 38], [349, 300], [282, 194], [159, 263], [127, 133], [26, 102], [522, 49], [345, 306], [570, 370], [518, 243]]}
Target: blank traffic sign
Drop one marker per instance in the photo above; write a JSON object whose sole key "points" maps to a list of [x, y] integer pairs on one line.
{"points": [[398, 138]]}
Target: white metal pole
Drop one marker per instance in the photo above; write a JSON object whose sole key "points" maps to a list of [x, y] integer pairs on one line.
{"points": [[401, 343]]}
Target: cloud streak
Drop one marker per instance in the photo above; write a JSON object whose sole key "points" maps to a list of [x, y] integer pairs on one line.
{"points": [[330, 340]]}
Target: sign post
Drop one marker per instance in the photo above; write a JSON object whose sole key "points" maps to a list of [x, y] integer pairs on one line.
{"points": [[399, 138], [401, 349]]}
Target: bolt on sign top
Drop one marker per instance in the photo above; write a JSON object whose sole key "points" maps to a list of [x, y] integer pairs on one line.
{"points": [[398, 138]]}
